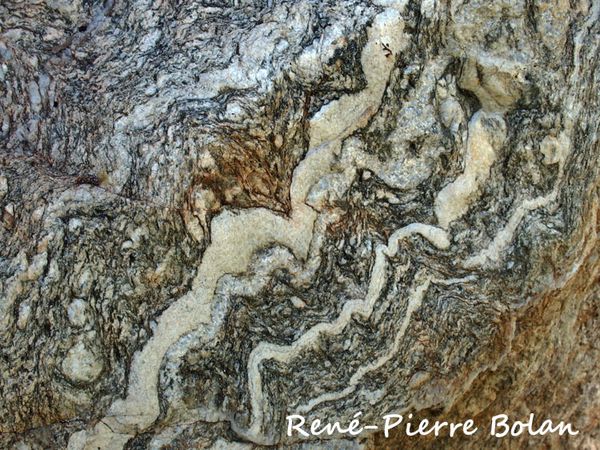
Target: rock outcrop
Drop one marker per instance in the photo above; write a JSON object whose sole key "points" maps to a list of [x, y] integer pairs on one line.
{"points": [[216, 214]]}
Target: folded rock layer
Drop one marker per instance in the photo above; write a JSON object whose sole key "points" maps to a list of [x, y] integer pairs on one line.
{"points": [[216, 214]]}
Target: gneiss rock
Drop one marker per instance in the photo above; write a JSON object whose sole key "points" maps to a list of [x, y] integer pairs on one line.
{"points": [[219, 214]]}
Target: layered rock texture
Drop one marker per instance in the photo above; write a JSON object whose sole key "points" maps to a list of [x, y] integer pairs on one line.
{"points": [[216, 214]]}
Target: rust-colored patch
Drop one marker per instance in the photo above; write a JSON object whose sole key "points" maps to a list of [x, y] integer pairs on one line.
{"points": [[251, 171], [254, 162], [550, 369]]}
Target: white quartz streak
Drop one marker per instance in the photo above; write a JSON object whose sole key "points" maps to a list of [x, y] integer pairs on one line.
{"points": [[504, 237], [378, 279], [555, 150], [454, 200], [237, 235], [491, 255], [414, 302]]}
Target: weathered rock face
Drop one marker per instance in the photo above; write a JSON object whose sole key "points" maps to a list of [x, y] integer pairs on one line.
{"points": [[216, 214]]}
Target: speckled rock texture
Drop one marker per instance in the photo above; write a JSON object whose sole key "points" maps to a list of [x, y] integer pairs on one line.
{"points": [[215, 214]]}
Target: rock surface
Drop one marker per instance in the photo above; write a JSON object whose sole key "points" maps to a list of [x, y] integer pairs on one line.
{"points": [[216, 214]]}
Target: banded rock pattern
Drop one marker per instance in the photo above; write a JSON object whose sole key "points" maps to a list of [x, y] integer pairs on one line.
{"points": [[215, 214]]}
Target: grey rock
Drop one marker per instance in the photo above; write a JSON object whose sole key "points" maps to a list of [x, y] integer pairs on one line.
{"points": [[215, 214]]}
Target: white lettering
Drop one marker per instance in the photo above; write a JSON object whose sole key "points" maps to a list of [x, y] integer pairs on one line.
{"points": [[388, 425], [354, 429], [297, 427], [495, 423], [469, 423]]}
